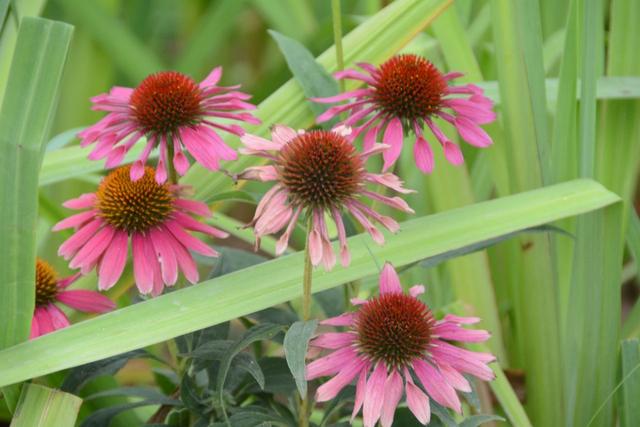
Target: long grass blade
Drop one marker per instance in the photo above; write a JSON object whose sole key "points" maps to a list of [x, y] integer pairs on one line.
{"points": [[276, 281], [25, 119], [45, 407]]}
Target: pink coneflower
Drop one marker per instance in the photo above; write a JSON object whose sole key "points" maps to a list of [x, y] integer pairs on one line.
{"points": [[390, 340], [317, 173], [152, 216], [173, 112], [47, 317], [401, 96]]}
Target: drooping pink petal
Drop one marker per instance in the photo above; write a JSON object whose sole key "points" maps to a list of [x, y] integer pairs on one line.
{"points": [[35, 328], [435, 384], [283, 241], [142, 267], [260, 173], [166, 256], [113, 261], [65, 282], [282, 134], [345, 256], [451, 331], [423, 155], [331, 388], [453, 377], [188, 240], [417, 401], [389, 280], [58, 318], [84, 201], [333, 340], [472, 133], [345, 319], [461, 320], [360, 390], [453, 153], [88, 255], [87, 301], [75, 221], [193, 206], [331, 363], [393, 136], [79, 238], [183, 257], [315, 247], [389, 180], [374, 396], [392, 395]]}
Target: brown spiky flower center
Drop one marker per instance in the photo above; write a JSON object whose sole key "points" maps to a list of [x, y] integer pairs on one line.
{"points": [[409, 87], [46, 283], [320, 169], [133, 206], [394, 328], [165, 101]]}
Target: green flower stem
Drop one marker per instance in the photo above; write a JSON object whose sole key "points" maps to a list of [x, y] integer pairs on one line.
{"points": [[173, 176], [306, 314]]}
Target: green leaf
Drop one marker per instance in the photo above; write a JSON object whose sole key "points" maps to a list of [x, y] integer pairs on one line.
{"points": [[315, 81], [277, 281], [277, 377], [233, 196], [44, 407], [256, 333], [629, 395], [25, 119], [104, 417], [248, 363], [296, 343], [438, 259], [81, 375]]}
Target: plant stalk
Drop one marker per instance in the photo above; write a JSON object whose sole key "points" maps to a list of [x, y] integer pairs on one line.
{"points": [[306, 314], [173, 175]]}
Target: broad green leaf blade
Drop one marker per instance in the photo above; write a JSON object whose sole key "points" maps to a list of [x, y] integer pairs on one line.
{"points": [[296, 342], [629, 394], [44, 407], [274, 282], [72, 162], [532, 276], [478, 420], [312, 77], [450, 187], [25, 119], [373, 41], [593, 330]]}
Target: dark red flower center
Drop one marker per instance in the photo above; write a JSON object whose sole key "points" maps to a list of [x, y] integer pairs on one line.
{"points": [[46, 283], [409, 87], [394, 329], [165, 101], [133, 206], [320, 169]]}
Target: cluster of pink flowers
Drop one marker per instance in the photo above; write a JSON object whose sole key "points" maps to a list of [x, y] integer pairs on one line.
{"points": [[317, 176]]}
